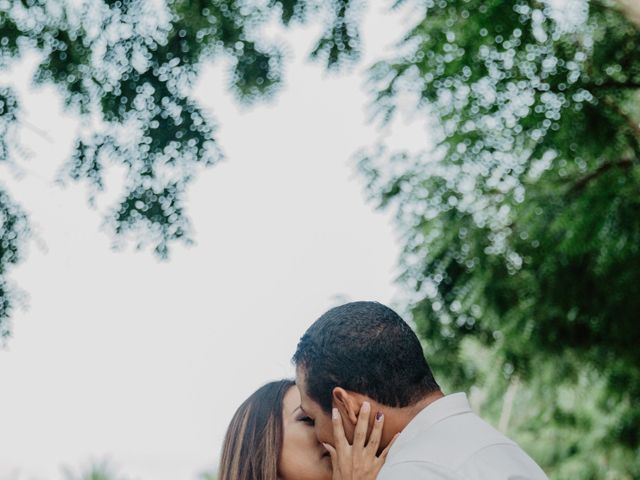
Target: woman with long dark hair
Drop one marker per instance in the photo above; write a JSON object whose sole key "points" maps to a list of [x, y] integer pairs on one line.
{"points": [[271, 438]]}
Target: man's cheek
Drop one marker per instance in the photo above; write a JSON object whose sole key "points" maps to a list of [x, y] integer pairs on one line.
{"points": [[348, 431], [324, 433]]}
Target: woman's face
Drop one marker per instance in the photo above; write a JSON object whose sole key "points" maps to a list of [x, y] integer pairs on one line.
{"points": [[302, 457]]}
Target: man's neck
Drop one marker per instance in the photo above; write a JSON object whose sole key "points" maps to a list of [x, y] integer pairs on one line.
{"points": [[396, 419]]}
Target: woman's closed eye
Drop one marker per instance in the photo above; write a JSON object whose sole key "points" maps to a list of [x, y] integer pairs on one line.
{"points": [[307, 420]]}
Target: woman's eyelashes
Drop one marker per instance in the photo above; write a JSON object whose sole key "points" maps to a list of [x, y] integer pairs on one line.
{"points": [[307, 420]]}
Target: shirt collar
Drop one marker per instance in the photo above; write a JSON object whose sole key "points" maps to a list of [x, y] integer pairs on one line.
{"points": [[444, 407]]}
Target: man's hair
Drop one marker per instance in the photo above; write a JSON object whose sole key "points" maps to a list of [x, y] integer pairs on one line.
{"points": [[367, 348]]}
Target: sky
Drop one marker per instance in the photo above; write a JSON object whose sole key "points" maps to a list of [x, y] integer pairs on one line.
{"points": [[120, 356]]}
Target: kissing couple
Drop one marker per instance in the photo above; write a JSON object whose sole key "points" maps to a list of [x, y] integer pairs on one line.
{"points": [[365, 405]]}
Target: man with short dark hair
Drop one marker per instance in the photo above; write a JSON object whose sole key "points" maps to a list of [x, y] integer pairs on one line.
{"points": [[364, 352]]}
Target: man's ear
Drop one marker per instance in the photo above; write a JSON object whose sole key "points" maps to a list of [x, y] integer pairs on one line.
{"points": [[347, 403]]}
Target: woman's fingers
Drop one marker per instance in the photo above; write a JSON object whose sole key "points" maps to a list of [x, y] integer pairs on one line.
{"points": [[334, 461], [376, 433], [362, 425], [357, 461], [339, 438], [331, 450]]}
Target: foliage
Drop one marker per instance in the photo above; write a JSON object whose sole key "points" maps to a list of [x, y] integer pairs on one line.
{"points": [[126, 69], [13, 233], [103, 470], [520, 227]]}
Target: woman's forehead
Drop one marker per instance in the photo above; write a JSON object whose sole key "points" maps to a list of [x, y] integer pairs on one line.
{"points": [[291, 401]]}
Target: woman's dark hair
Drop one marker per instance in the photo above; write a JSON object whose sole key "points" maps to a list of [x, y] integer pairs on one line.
{"points": [[367, 348], [253, 441]]}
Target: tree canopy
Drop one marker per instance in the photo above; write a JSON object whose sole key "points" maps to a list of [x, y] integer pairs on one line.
{"points": [[521, 229], [126, 68]]}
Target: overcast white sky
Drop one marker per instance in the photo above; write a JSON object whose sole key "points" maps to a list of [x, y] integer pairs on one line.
{"points": [[124, 357]]}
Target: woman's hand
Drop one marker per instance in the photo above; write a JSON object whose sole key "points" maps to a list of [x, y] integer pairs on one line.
{"points": [[360, 460]]}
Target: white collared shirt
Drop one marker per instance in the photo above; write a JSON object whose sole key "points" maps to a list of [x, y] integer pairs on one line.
{"points": [[447, 441]]}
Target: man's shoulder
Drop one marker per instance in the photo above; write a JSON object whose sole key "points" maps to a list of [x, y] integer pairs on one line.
{"points": [[498, 462], [457, 445], [450, 442], [416, 469]]}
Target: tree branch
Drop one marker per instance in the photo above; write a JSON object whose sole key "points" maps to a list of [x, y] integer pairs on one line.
{"points": [[631, 123], [612, 84], [507, 405], [605, 167], [631, 10]]}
